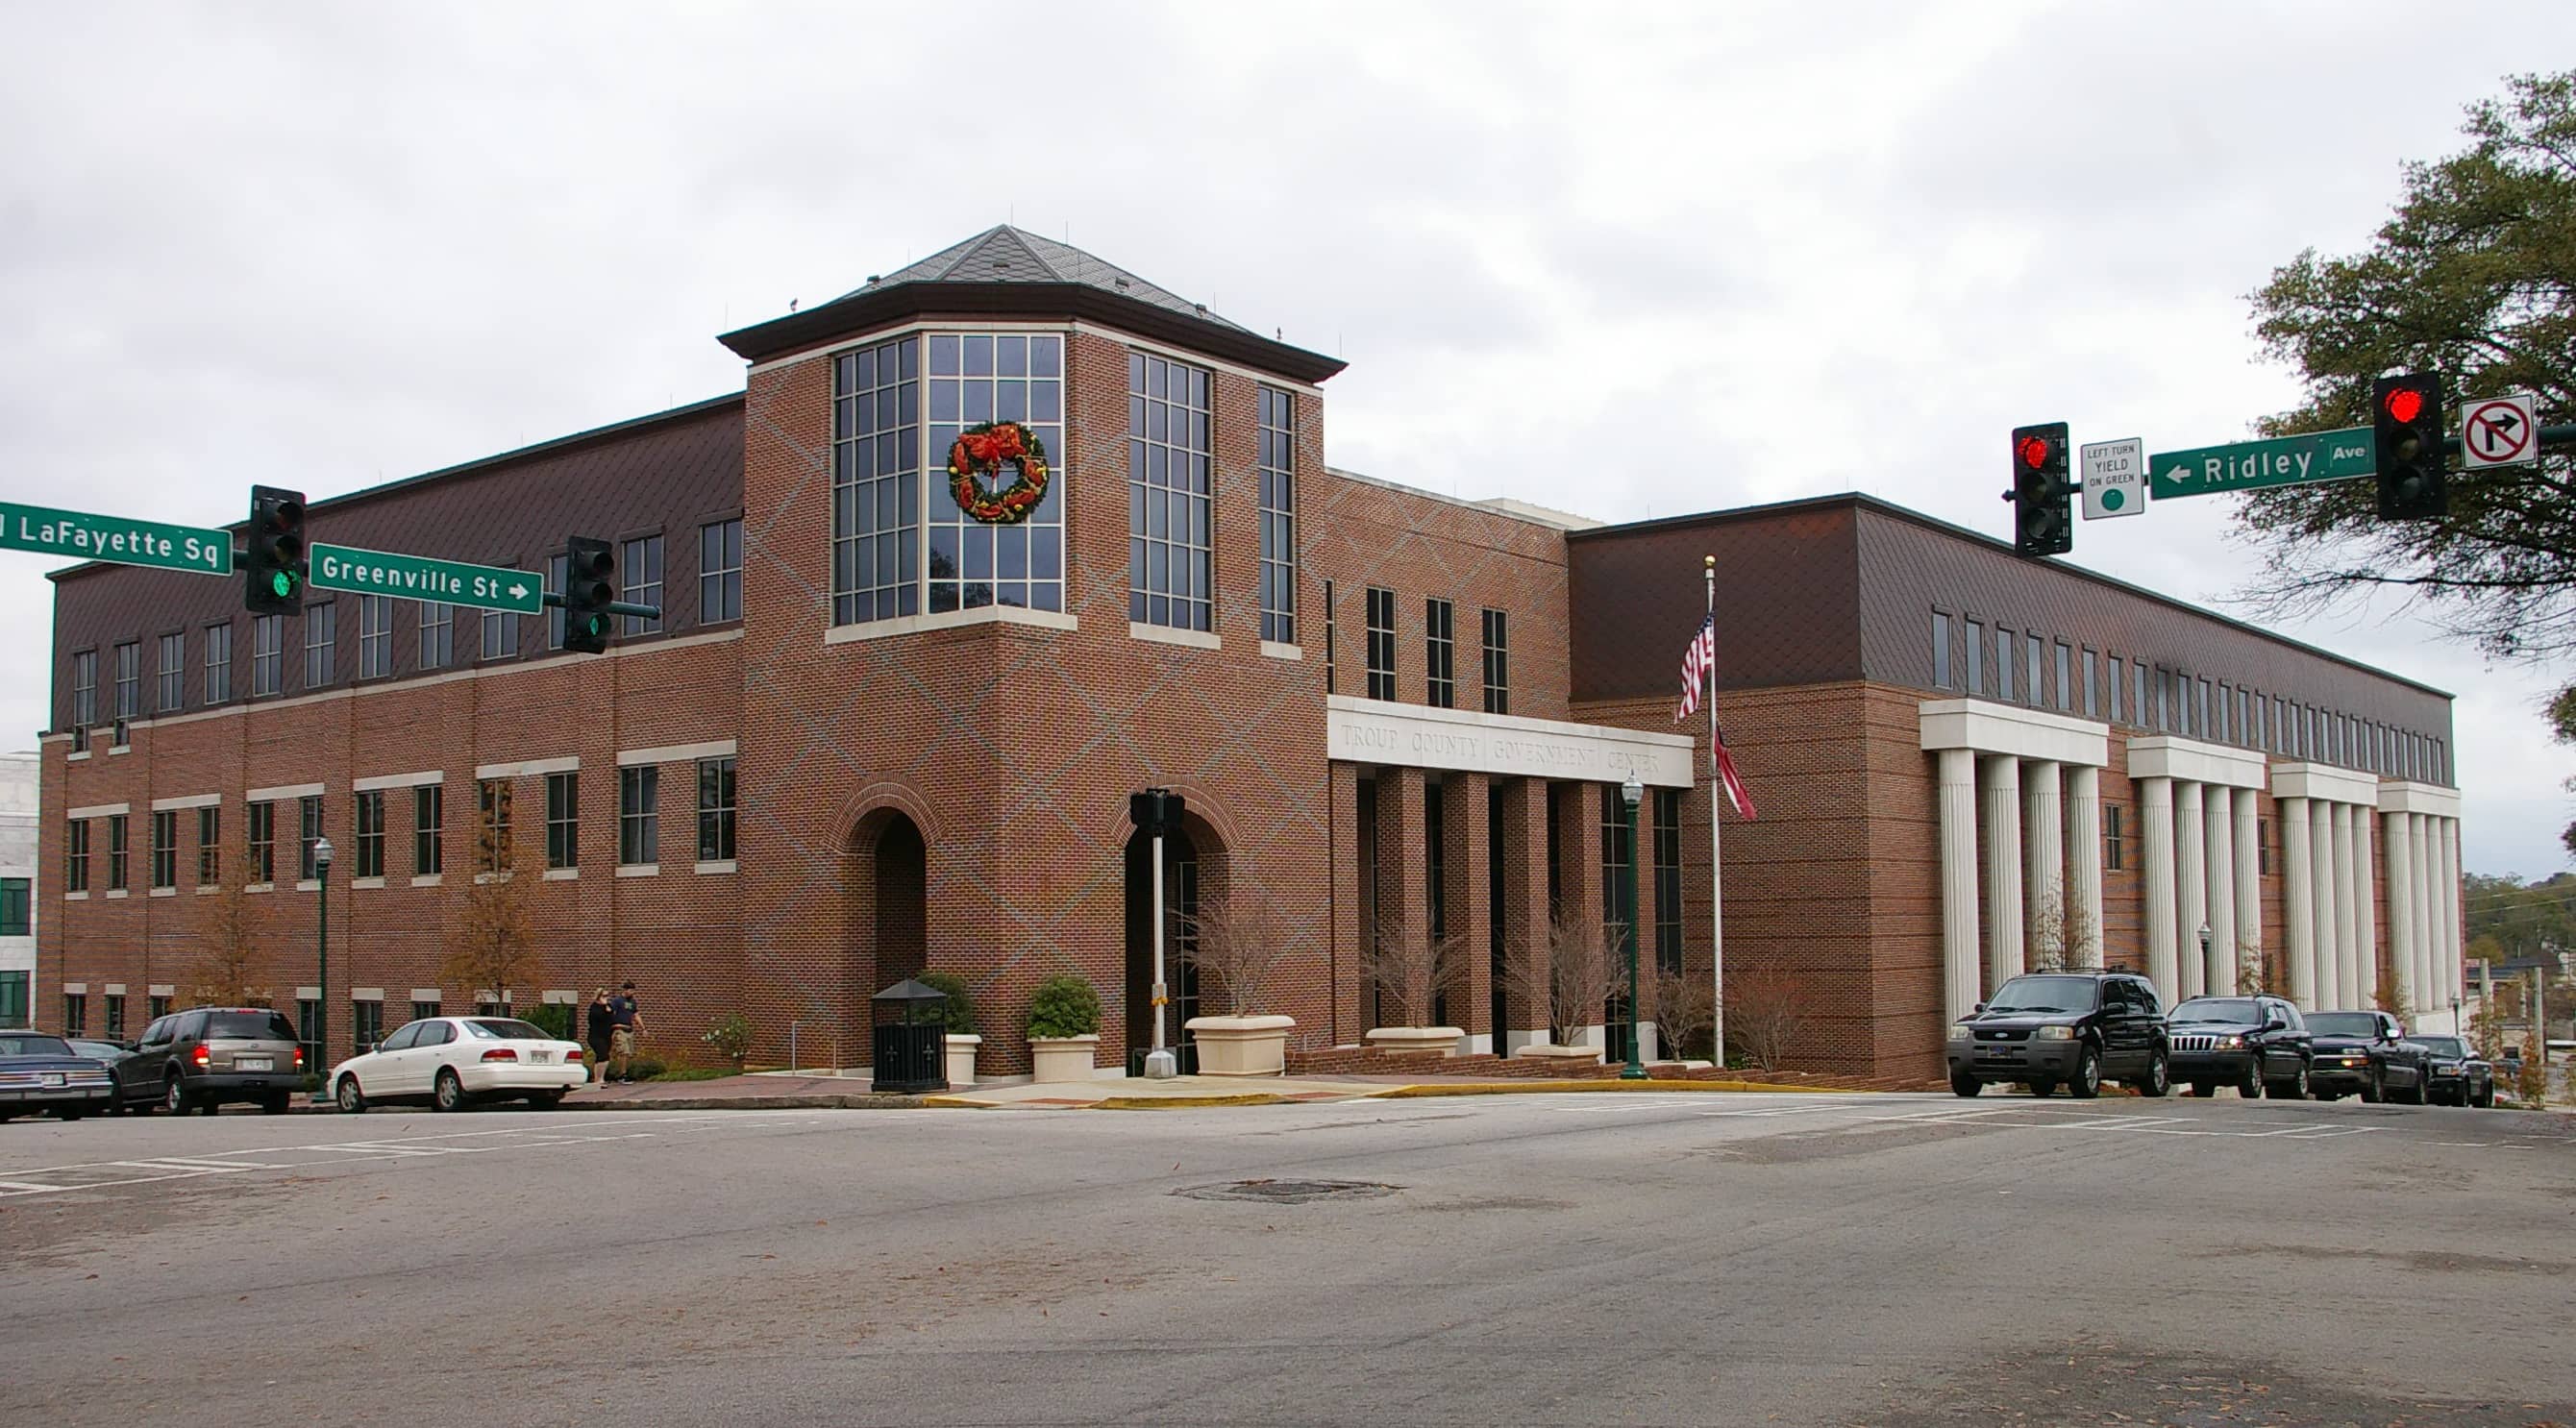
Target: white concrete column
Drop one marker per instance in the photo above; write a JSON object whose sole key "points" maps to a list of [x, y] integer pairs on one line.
{"points": [[2321, 894], [2084, 860], [2401, 911], [1959, 880], [2156, 832], [2347, 917], [2043, 841], [2454, 955], [2298, 901], [2428, 920], [2249, 885], [2220, 976], [2365, 893], [2191, 862], [2001, 783]]}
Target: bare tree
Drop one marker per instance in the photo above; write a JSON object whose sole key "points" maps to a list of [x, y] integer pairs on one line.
{"points": [[1411, 972], [1766, 1008], [2060, 935], [1237, 944], [233, 928], [1574, 975], [2251, 975], [494, 946], [1684, 1007], [2392, 1001]]}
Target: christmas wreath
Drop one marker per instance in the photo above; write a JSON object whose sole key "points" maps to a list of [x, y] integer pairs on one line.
{"points": [[981, 452]]}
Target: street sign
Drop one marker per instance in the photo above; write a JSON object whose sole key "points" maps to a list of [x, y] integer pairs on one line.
{"points": [[2245, 465], [2114, 478], [82, 536], [417, 577], [2499, 431]]}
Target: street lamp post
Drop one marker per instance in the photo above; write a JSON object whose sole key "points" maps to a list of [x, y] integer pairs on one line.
{"points": [[322, 958], [1629, 793], [2204, 951]]}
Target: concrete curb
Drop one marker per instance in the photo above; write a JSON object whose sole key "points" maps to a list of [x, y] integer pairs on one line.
{"points": [[1182, 1103], [1610, 1084]]}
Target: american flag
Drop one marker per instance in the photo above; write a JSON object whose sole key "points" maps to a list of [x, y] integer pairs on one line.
{"points": [[1698, 663]]}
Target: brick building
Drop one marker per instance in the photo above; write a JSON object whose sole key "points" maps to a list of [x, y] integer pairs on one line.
{"points": [[870, 735]]}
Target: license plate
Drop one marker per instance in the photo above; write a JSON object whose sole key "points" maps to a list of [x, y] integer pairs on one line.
{"points": [[254, 1063], [541, 1057], [50, 1078]]}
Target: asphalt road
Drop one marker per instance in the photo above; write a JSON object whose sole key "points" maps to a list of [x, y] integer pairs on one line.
{"points": [[1567, 1260]]}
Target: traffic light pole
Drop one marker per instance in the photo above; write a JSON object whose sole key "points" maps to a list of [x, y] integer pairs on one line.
{"points": [[614, 607]]}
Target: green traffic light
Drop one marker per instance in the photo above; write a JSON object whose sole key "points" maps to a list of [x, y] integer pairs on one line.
{"points": [[282, 583], [596, 624]]}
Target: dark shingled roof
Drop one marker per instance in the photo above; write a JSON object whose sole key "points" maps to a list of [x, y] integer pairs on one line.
{"points": [[1004, 254]]}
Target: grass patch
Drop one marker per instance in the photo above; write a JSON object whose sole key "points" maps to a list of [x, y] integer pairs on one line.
{"points": [[689, 1073]]}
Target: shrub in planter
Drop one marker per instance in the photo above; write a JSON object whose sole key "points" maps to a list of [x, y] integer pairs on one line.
{"points": [[1064, 1006], [730, 1034], [957, 1014], [553, 1018]]}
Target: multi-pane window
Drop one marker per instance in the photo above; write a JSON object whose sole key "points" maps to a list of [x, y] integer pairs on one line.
{"points": [[437, 636], [639, 582], [156, 1007], [639, 815], [423, 1011], [1940, 650], [2032, 688], [1976, 657], [975, 379], [1440, 652], [2065, 677], [14, 998], [210, 846], [116, 852], [1668, 882], [2115, 685], [2138, 693], [2092, 690], [173, 669], [16, 910], [1381, 643], [2111, 838], [129, 682], [262, 843], [1498, 663], [321, 638], [76, 856], [165, 848], [492, 851], [308, 1030], [367, 1022], [428, 828], [2263, 846], [1168, 489], [563, 820], [308, 836], [115, 1016], [75, 1014], [375, 636], [1328, 638], [715, 810], [720, 571], [219, 662], [1277, 467], [558, 575], [500, 634], [371, 834], [876, 481], [84, 689], [267, 654]]}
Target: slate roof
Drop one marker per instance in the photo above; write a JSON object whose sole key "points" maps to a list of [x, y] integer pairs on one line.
{"points": [[1004, 254]]}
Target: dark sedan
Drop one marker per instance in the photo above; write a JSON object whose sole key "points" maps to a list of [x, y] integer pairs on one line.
{"points": [[43, 1073], [2460, 1076], [2365, 1052]]}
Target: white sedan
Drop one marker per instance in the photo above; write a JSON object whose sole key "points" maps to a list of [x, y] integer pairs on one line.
{"points": [[454, 1061]]}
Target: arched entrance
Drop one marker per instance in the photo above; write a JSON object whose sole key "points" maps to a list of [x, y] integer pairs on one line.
{"points": [[1181, 910], [899, 921]]}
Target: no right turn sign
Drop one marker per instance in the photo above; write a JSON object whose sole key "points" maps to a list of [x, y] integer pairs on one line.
{"points": [[2498, 431]]}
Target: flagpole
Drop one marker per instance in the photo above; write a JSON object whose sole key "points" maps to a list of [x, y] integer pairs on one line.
{"points": [[1716, 853]]}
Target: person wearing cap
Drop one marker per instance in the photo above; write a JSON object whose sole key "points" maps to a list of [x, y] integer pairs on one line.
{"points": [[625, 1024]]}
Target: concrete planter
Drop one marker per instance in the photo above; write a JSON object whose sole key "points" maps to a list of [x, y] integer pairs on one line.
{"points": [[1417, 1040], [1241, 1045], [961, 1059], [1583, 1055], [1063, 1058]]}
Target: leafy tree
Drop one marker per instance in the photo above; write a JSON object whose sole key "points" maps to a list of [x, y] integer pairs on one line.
{"points": [[494, 945], [235, 933]]}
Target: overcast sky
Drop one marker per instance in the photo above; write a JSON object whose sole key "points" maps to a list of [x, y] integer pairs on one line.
{"points": [[326, 246]]}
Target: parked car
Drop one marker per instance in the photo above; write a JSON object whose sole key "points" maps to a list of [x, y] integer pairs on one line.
{"points": [[129, 1096], [202, 1058], [2459, 1075], [2076, 1029], [2255, 1044], [43, 1073], [2365, 1052], [451, 1062]]}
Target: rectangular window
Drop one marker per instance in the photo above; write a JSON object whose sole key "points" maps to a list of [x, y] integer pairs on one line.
{"points": [[715, 810], [15, 908], [75, 1014], [308, 835], [720, 571], [129, 682], [2263, 846], [1976, 657], [639, 815], [500, 634], [639, 582], [85, 689], [115, 1016], [2092, 687], [1276, 464], [2003, 663], [173, 669], [877, 460], [428, 830], [165, 848], [210, 846], [1167, 496], [2116, 685], [423, 1011], [267, 654], [1381, 643], [1940, 650], [563, 820], [437, 636], [308, 1030], [2138, 694], [371, 834], [13, 998], [1439, 653], [375, 637], [116, 852], [1328, 637], [1668, 881], [976, 378], [1616, 851], [2112, 847], [558, 575], [2205, 726], [2164, 699], [366, 1022], [2032, 688], [492, 850], [262, 843], [76, 856], [321, 635], [219, 663], [2244, 731], [156, 1007], [1498, 663], [2065, 677]]}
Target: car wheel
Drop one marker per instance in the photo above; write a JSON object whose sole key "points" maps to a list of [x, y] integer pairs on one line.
{"points": [[352, 1101], [2042, 1090], [2294, 1089], [2374, 1090], [273, 1104], [2415, 1095], [2485, 1098], [70, 1113], [1967, 1086], [2088, 1075], [2251, 1088], [2203, 1089], [175, 1098], [545, 1100], [2158, 1080], [450, 1093]]}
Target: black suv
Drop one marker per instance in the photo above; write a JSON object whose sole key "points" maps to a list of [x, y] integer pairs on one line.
{"points": [[202, 1058], [2076, 1028], [2254, 1044], [2364, 1051]]}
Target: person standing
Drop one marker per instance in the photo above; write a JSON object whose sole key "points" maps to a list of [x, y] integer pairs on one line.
{"points": [[600, 1033], [626, 1023]]}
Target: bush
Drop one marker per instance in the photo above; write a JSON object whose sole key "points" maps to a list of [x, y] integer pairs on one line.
{"points": [[1064, 1006], [957, 1014], [552, 1018], [731, 1035]]}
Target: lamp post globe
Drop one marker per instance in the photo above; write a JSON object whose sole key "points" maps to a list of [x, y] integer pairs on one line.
{"points": [[1630, 792]]}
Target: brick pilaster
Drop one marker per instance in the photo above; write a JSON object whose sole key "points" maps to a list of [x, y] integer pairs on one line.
{"points": [[1349, 976], [1404, 886], [1466, 867], [1525, 910]]}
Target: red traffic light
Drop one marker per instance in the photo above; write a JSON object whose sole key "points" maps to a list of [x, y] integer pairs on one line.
{"points": [[2404, 403], [2034, 451]]}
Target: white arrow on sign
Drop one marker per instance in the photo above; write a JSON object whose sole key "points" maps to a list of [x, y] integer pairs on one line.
{"points": [[519, 591]]}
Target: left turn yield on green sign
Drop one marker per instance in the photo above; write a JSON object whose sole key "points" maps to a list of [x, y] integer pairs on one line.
{"points": [[418, 577], [79, 535]]}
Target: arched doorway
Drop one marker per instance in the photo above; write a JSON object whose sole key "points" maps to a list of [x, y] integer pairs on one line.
{"points": [[1181, 910], [901, 881]]}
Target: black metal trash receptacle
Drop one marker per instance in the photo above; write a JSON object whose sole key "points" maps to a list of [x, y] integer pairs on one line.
{"points": [[912, 1039]]}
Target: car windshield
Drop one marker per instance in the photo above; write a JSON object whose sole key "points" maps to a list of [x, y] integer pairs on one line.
{"points": [[250, 1025], [34, 1046], [2343, 1024], [2043, 994], [2441, 1045], [2226, 1009], [500, 1029]]}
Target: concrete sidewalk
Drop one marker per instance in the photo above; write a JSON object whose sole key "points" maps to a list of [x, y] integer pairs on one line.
{"points": [[774, 1091]]}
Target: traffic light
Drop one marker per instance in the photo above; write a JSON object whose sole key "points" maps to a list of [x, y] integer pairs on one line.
{"points": [[590, 587], [273, 553], [2043, 498], [1155, 811], [2406, 441]]}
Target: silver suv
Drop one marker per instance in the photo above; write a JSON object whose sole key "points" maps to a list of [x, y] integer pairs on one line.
{"points": [[208, 1056]]}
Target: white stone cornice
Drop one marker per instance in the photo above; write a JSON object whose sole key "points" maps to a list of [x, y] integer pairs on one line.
{"points": [[1991, 728], [1378, 731], [2326, 782], [2166, 756], [2405, 796]]}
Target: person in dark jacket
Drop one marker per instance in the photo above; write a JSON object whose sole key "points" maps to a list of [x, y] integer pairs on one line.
{"points": [[600, 1032]]}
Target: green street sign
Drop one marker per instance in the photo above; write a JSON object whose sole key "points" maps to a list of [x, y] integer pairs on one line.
{"points": [[417, 577], [82, 536], [2244, 465]]}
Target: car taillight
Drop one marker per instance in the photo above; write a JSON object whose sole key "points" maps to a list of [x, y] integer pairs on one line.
{"points": [[202, 1057], [500, 1053], [573, 1057], [299, 1058]]}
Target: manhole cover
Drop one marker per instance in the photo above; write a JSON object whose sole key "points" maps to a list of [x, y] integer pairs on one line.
{"points": [[1289, 1192]]}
